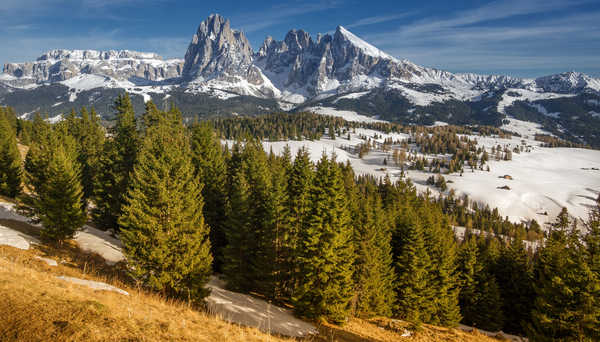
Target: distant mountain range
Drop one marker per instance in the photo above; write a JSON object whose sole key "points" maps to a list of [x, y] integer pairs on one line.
{"points": [[222, 75]]}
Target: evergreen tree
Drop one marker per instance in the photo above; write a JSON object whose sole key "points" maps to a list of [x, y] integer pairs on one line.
{"points": [[211, 168], [567, 305], [10, 160], [374, 273], [480, 299], [166, 240], [116, 165], [297, 205], [514, 274], [413, 266], [237, 252], [441, 245], [592, 238], [53, 178], [325, 253]]}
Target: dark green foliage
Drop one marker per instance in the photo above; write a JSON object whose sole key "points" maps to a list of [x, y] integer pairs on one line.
{"points": [[413, 266], [567, 304], [163, 230], [325, 253], [514, 274], [209, 160], [10, 158], [89, 135], [53, 177], [479, 299], [373, 270], [115, 165]]}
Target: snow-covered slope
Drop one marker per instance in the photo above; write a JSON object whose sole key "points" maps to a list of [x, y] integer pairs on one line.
{"points": [[543, 180]]}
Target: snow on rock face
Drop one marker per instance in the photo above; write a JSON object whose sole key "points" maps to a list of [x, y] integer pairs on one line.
{"points": [[61, 65], [9, 237], [247, 310], [96, 285]]}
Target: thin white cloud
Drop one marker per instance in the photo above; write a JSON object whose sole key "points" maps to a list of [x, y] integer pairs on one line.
{"points": [[380, 19]]}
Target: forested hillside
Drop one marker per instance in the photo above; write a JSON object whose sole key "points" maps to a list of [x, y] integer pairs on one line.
{"points": [[314, 236]]}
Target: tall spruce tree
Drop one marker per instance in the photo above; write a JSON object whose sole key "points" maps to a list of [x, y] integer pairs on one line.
{"points": [[413, 267], [374, 272], [325, 253], [567, 306], [300, 177], [209, 160], [53, 178], [514, 274], [238, 231], [166, 240], [10, 160], [115, 165], [442, 248], [592, 238]]}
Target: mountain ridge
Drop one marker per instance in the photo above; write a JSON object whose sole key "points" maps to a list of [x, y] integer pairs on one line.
{"points": [[294, 73]]}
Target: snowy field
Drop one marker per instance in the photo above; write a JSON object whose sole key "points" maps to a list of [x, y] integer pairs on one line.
{"points": [[544, 180], [347, 115]]}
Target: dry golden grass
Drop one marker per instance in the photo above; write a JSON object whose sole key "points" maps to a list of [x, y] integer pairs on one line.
{"points": [[36, 306], [387, 330]]}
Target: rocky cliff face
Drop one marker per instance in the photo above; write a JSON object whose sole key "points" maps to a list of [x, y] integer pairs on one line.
{"points": [[61, 65], [219, 56]]}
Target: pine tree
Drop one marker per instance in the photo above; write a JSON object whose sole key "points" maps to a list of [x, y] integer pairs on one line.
{"points": [[53, 178], [10, 160], [592, 238], [166, 240], [116, 165], [238, 232], [441, 245], [413, 267], [300, 177], [325, 253], [262, 209], [514, 274], [567, 304], [469, 269], [374, 273], [211, 168]]}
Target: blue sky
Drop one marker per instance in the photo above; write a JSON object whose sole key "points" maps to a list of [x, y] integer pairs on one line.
{"points": [[524, 38]]}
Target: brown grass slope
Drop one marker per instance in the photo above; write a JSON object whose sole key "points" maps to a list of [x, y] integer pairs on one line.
{"points": [[36, 306]]}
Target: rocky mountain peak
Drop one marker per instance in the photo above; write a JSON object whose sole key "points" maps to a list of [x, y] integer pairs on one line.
{"points": [[216, 49]]}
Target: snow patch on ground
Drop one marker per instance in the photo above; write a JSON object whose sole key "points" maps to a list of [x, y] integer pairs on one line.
{"points": [[55, 119], [96, 285], [347, 115], [13, 238], [352, 96], [525, 129], [50, 262], [250, 311], [90, 239], [100, 242], [525, 95], [543, 110]]}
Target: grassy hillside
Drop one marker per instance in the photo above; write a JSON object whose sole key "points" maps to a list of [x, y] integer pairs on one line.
{"points": [[37, 306]]}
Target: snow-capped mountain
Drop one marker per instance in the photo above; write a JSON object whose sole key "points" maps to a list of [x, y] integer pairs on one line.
{"points": [[222, 74], [61, 65]]}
